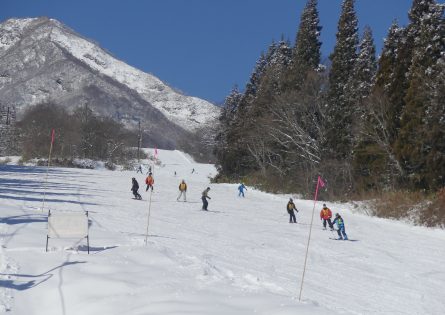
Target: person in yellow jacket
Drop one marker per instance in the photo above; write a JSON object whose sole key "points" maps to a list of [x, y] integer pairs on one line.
{"points": [[182, 190], [290, 209]]}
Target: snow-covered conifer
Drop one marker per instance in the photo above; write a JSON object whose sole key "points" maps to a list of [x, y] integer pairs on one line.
{"points": [[339, 113]]}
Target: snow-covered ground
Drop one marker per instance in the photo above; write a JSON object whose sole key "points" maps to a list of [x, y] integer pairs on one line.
{"points": [[242, 257]]}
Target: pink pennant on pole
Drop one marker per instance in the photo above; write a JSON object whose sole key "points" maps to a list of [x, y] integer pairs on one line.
{"points": [[53, 135], [156, 153], [321, 182]]}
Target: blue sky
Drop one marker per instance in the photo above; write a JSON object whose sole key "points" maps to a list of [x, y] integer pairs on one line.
{"points": [[201, 47]]}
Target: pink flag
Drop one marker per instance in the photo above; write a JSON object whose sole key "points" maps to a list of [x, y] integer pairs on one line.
{"points": [[53, 135], [156, 153], [321, 182]]}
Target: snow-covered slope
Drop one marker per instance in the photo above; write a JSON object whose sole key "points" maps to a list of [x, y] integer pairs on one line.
{"points": [[242, 257], [188, 112]]}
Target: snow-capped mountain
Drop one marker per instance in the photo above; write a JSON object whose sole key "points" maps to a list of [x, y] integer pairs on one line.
{"points": [[41, 60]]}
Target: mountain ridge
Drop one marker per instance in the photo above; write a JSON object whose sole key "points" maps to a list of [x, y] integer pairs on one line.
{"points": [[42, 59]]}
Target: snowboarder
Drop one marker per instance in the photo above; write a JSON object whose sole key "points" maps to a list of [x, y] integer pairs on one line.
{"points": [[204, 198], [290, 209], [135, 188], [341, 227], [241, 188], [182, 190], [326, 215], [149, 181]]}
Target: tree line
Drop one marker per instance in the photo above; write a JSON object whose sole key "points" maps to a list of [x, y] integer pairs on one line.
{"points": [[363, 123], [79, 134]]}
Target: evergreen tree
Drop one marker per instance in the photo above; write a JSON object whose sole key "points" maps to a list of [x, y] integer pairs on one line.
{"points": [[388, 57], [306, 53], [362, 81], [434, 136], [428, 29], [223, 150], [397, 83], [391, 77], [307, 44], [238, 161], [339, 113]]}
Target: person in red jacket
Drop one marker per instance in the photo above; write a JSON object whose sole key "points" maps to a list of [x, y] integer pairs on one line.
{"points": [[149, 181], [326, 215]]}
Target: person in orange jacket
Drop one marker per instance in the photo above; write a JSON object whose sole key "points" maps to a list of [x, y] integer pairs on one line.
{"points": [[326, 215], [149, 181]]}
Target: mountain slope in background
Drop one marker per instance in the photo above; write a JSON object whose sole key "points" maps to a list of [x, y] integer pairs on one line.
{"points": [[43, 60]]}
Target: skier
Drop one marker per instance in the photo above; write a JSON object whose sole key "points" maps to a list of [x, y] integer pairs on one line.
{"points": [[182, 190], [149, 170], [149, 181], [241, 188], [290, 209], [204, 198], [193, 170], [341, 227], [135, 188], [139, 170], [175, 173], [326, 215]]}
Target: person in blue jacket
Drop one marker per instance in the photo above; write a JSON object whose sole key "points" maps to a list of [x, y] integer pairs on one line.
{"points": [[341, 227], [241, 188]]}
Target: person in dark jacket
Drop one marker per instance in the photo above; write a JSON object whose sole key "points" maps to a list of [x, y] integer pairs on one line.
{"points": [[205, 196], [135, 188], [341, 227], [290, 209]]}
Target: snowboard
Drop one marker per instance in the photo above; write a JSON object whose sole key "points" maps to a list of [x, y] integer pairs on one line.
{"points": [[348, 240]]}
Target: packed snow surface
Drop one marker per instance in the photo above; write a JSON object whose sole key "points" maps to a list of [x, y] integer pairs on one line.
{"points": [[241, 257]]}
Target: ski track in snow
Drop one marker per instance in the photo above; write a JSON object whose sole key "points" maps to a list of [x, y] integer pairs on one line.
{"points": [[242, 257]]}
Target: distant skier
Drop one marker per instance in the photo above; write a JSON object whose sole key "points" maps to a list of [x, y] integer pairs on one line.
{"points": [[135, 188], [341, 227], [182, 190], [175, 173], [241, 188], [204, 198], [193, 170], [149, 170], [139, 170], [290, 209], [149, 181], [326, 215]]}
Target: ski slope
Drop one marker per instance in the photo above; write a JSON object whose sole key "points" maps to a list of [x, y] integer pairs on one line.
{"points": [[242, 257]]}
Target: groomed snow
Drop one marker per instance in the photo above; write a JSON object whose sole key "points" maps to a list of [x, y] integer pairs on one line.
{"points": [[242, 257]]}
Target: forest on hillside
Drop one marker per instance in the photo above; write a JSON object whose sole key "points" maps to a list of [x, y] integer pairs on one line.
{"points": [[367, 125]]}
